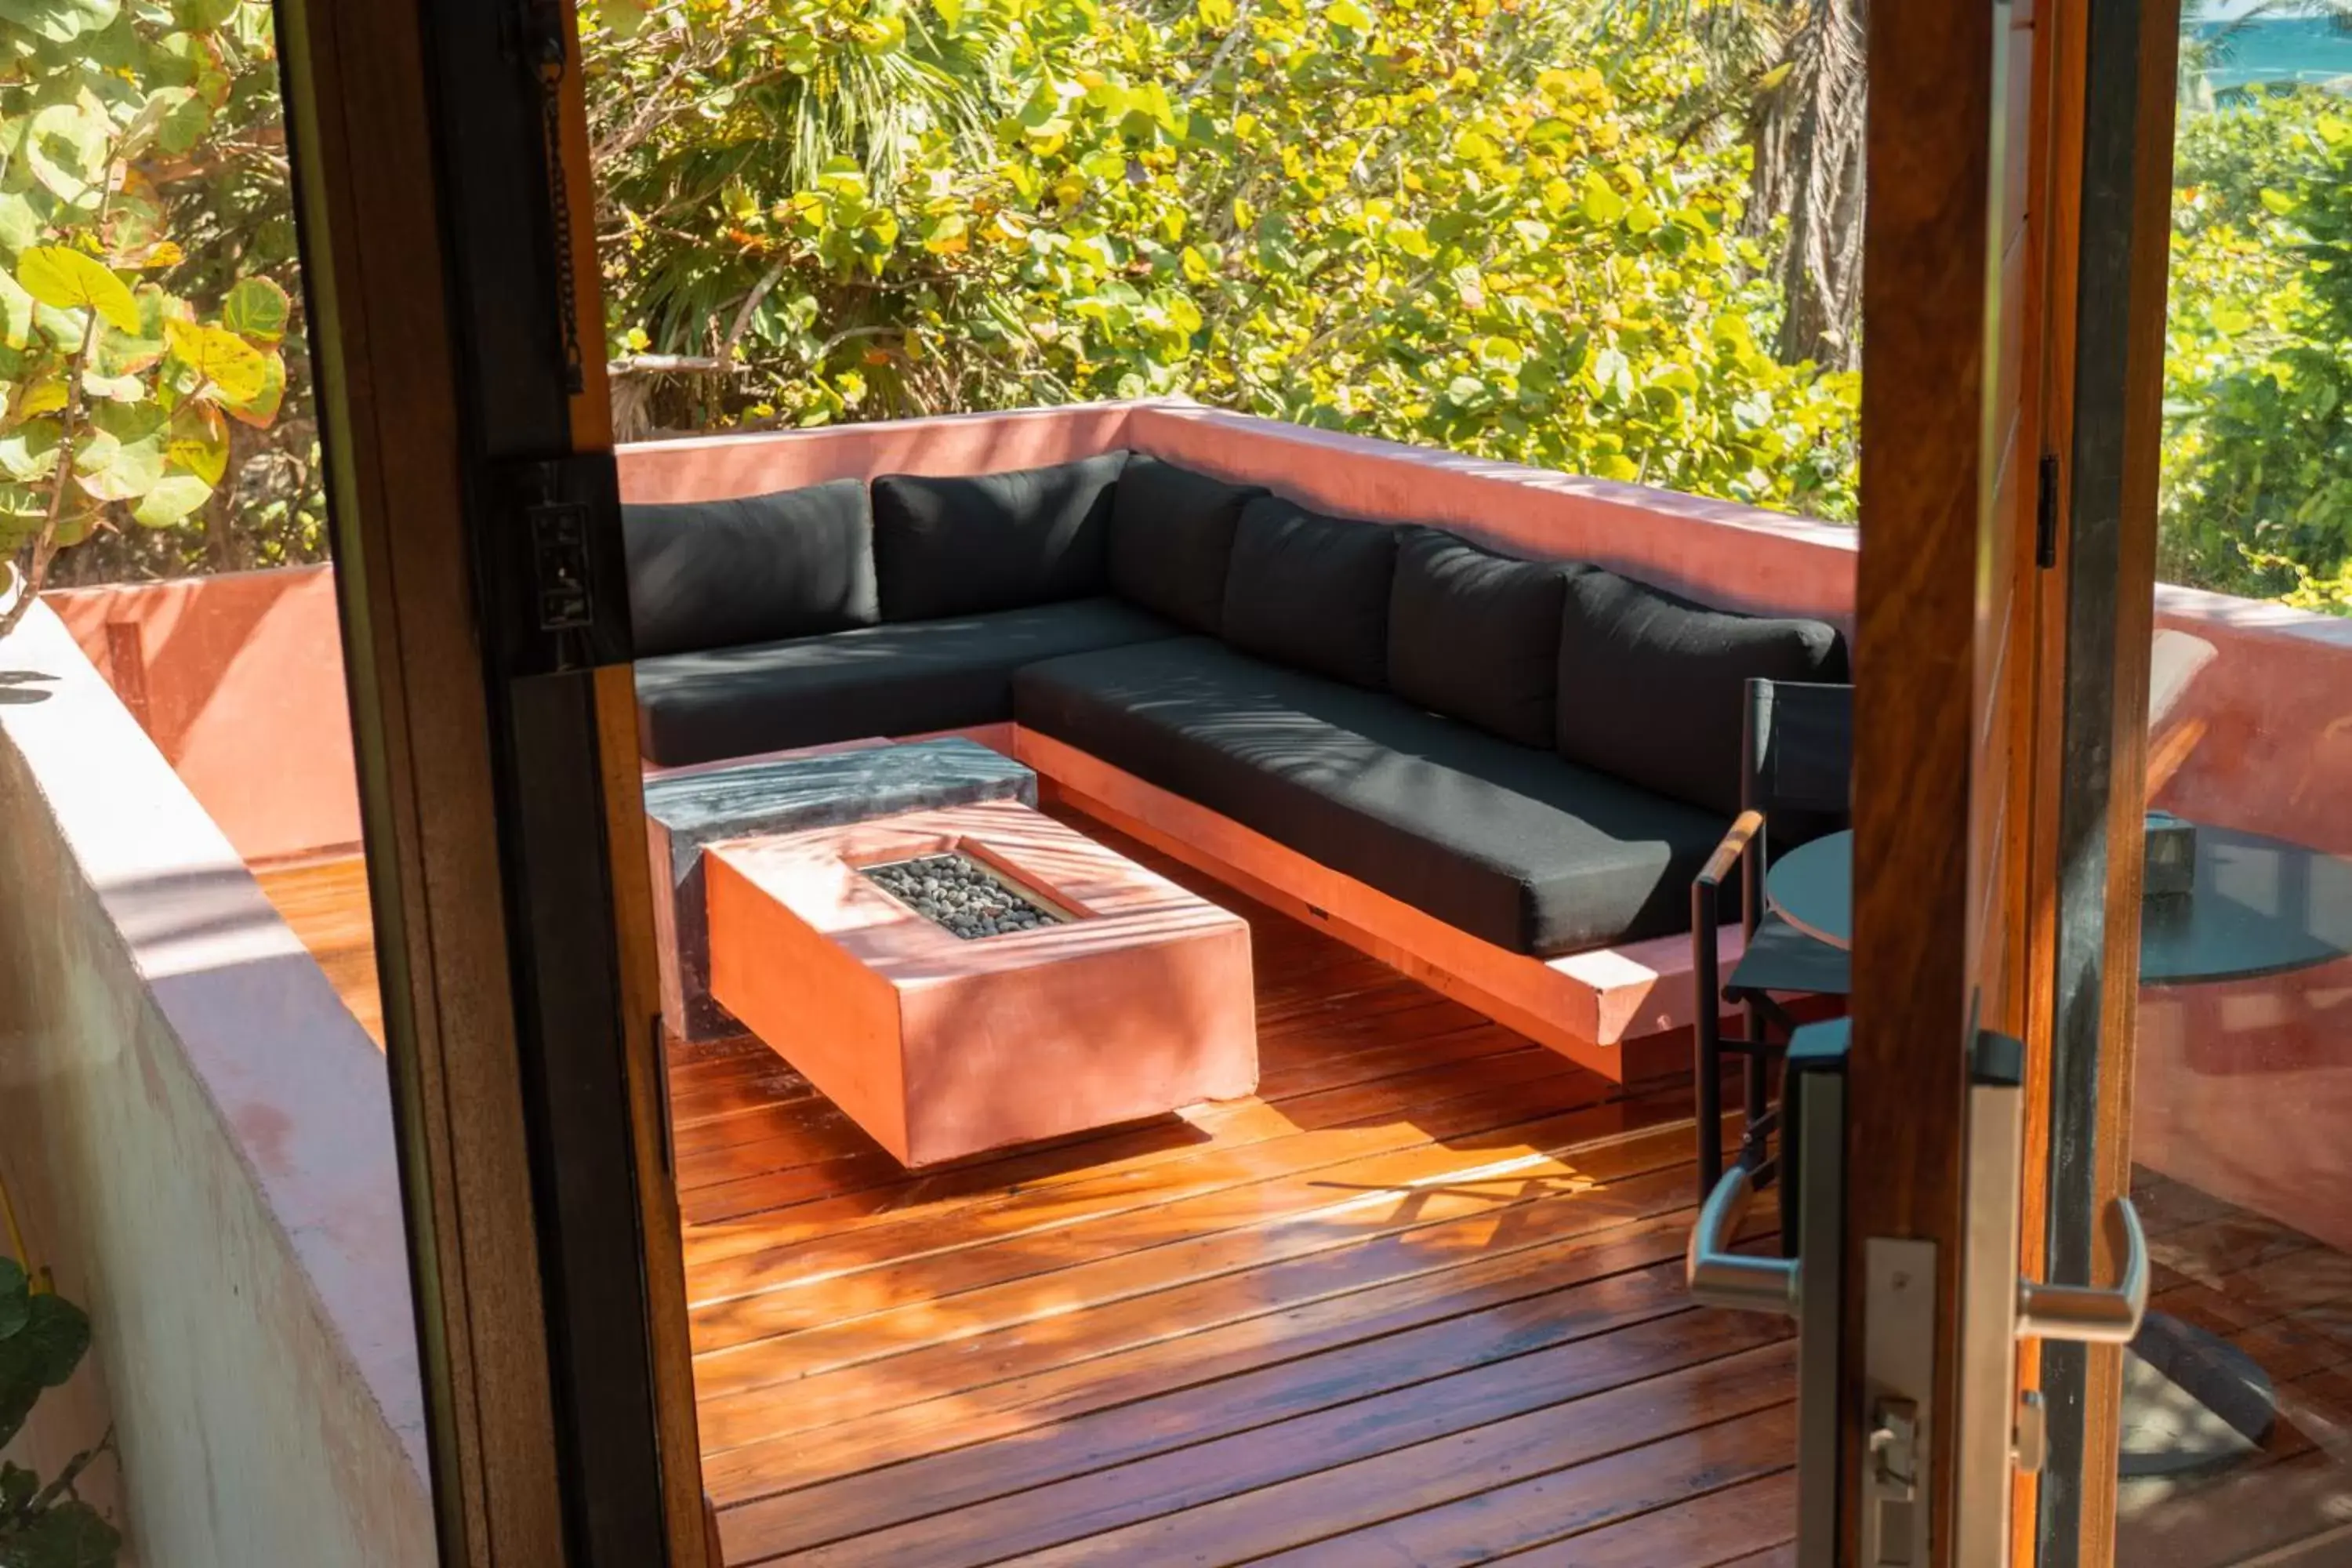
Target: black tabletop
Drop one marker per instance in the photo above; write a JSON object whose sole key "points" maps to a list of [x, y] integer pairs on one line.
{"points": [[2260, 906]]}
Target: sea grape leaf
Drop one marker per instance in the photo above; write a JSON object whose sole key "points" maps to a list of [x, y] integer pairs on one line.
{"points": [[64, 279]]}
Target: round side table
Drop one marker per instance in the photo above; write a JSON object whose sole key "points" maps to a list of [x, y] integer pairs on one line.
{"points": [[2257, 906]]}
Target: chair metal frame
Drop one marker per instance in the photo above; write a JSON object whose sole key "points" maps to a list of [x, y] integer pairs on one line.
{"points": [[1772, 782]]}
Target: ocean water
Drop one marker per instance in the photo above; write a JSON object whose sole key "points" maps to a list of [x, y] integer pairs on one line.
{"points": [[2273, 49]]}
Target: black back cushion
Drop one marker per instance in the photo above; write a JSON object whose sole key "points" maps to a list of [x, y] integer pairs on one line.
{"points": [[1476, 636], [1312, 591], [992, 541], [1171, 539], [721, 574], [1653, 686]]}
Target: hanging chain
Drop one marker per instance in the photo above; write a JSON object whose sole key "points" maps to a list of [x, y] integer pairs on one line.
{"points": [[547, 71]]}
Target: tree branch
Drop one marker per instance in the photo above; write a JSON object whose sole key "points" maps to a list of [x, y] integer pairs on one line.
{"points": [[63, 1485], [1232, 41], [759, 291]]}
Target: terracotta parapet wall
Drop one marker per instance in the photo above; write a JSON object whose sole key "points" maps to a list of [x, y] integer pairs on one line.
{"points": [[199, 1138], [239, 679]]}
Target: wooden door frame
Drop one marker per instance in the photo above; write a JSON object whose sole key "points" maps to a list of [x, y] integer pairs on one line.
{"points": [[1943, 510], [1929, 285], [499, 781], [2112, 152]]}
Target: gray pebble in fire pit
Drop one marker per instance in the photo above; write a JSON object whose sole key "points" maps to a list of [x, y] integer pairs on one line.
{"points": [[960, 894]]}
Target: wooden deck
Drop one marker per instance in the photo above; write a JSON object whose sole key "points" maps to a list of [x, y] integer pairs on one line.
{"points": [[2285, 1300], [1417, 1301], [326, 903]]}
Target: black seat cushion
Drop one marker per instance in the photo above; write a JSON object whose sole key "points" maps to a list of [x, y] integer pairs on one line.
{"points": [[1171, 539], [1653, 686], [1506, 842], [992, 542], [716, 574], [1476, 636], [904, 680], [1311, 590]]}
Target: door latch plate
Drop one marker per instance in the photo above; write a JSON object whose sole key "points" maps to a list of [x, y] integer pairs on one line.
{"points": [[1898, 1412]]}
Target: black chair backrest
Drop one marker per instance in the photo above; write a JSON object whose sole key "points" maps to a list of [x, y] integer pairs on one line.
{"points": [[1798, 742]]}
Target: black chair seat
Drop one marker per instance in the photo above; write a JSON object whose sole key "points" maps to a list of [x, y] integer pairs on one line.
{"points": [[1780, 957]]}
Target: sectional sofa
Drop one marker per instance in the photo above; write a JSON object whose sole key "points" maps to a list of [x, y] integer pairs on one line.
{"points": [[1516, 759]]}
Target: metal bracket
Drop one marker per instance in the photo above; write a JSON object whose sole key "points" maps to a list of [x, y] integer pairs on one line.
{"points": [[2031, 1446], [560, 572]]}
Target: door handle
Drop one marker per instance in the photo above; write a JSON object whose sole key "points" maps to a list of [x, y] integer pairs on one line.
{"points": [[1718, 1277], [2086, 1314]]}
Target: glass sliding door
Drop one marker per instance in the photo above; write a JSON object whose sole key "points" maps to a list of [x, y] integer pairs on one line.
{"points": [[2239, 1390]]}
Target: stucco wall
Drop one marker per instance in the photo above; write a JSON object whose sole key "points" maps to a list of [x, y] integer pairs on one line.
{"points": [[198, 1135], [239, 679], [2244, 1089], [1737, 556]]}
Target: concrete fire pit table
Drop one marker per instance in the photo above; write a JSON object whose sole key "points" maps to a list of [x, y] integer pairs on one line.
{"points": [[1105, 993], [692, 808]]}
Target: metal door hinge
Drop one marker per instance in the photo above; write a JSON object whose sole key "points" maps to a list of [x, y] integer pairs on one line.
{"points": [[660, 1054], [2045, 513], [560, 577]]}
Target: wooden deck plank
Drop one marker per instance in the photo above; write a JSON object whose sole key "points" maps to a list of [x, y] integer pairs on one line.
{"points": [[1233, 1124], [325, 904], [1747, 1522], [1167, 1415], [1075, 1415], [1074, 1360], [1581, 1399], [2286, 1300], [1559, 1508], [893, 1190], [1157, 1250], [1782, 1556], [1285, 1173], [1353, 1164]]}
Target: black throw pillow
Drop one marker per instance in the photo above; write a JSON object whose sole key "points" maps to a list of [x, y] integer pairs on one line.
{"points": [[1311, 590], [992, 541], [1171, 540], [721, 574], [1651, 686], [1476, 636]]}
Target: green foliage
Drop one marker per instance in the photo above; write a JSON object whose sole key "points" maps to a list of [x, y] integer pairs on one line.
{"points": [[43, 1338], [1421, 220], [148, 345], [2258, 457]]}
